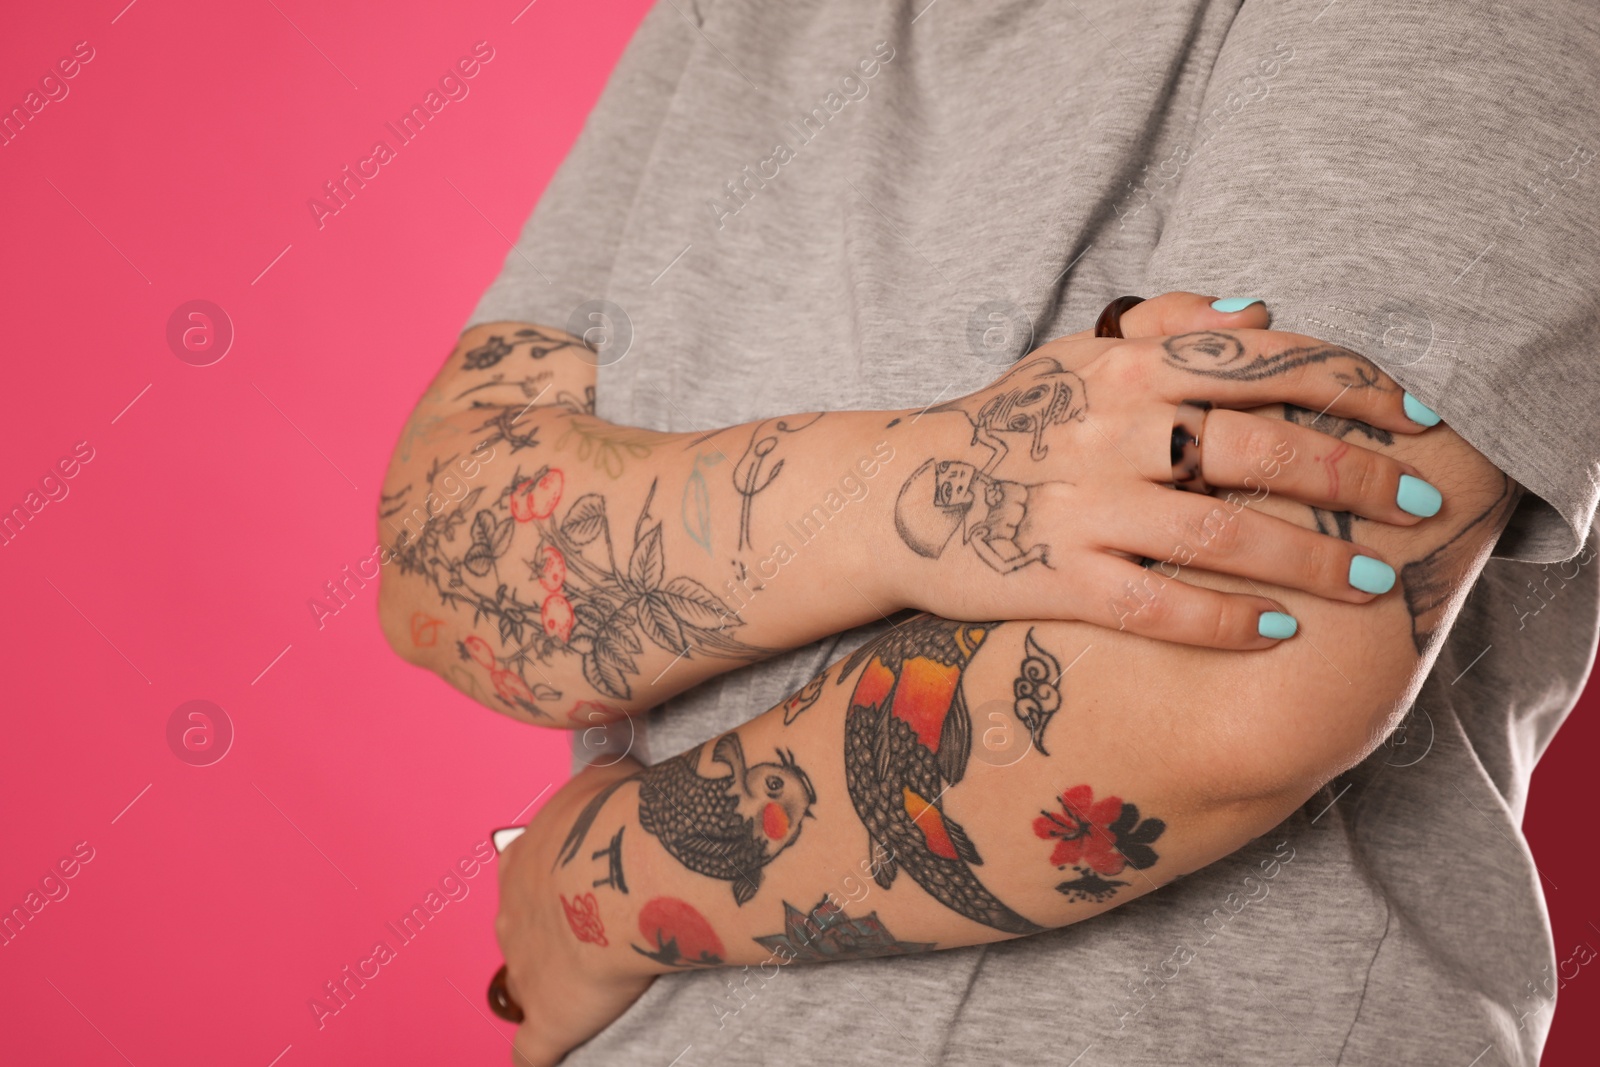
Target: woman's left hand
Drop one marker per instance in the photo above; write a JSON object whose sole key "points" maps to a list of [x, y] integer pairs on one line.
{"points": [[557, 969]]}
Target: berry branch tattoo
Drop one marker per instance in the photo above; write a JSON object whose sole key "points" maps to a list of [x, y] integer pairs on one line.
{"points": [[577, 600], [826, 933], [1098, 840], [726, 827]]}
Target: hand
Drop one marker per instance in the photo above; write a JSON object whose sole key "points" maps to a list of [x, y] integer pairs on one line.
{"points": [[1073, 450], [569, 988]]}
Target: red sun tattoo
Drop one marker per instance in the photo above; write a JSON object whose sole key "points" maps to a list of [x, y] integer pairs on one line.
{"points": [[681, 935], [583, 915]]}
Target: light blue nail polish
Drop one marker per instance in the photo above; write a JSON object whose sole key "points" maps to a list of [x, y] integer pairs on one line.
{"points": [[1228, 305], [1276, 625], [1417, 497], [1371, 575], [1420, 413]]}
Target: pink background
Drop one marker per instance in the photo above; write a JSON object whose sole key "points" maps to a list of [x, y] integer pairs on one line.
{"points": [[180, 564]]}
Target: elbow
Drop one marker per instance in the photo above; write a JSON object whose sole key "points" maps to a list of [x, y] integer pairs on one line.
{"points": [[1281, 750]]}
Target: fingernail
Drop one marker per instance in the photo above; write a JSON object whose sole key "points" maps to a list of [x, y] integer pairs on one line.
{"points": [[1276, 625], [1417, 497], [1418, 412], [1371, 575], [1230, 304]]}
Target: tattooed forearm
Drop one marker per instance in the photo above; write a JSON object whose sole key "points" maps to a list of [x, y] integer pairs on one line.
{"points": [[755, 470], [725, 826], [908, 735], [578, 600]]}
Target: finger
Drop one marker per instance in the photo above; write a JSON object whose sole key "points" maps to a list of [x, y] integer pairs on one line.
{"points": [[1145, 602], [1253, 368], [1245, 451], [1264, 456], [1225, 536], [1179, 313]]}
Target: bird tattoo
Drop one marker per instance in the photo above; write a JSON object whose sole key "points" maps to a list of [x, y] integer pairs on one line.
{"points": [[728, 827], [908, 735]]}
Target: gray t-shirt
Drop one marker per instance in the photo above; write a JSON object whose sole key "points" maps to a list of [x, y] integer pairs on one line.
{"points": [[831, 204]]}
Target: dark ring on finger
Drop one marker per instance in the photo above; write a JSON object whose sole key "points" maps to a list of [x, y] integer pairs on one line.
{"points": [[500, 1001], [1109, 324], [1188, 429]]}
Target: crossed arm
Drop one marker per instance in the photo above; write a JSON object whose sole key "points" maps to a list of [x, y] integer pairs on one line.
{"points": [[953, 782]]}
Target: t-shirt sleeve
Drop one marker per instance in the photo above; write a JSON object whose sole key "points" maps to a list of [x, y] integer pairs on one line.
{"points": [[564, 255], [1418, 183]]}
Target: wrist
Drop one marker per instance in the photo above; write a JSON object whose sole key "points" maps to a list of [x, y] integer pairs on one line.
{"points": [[892, 576]]}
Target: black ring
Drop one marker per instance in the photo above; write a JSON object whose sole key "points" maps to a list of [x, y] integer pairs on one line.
{"points": [[1188, 434], [1109, 324], [500, 1001]]}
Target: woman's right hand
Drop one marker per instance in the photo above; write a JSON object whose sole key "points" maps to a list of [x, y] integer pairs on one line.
{"points": [[1049, 494]]}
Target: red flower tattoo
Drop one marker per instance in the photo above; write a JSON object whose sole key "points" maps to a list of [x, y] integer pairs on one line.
{"points": [[583, 915], [1102, 836]]}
